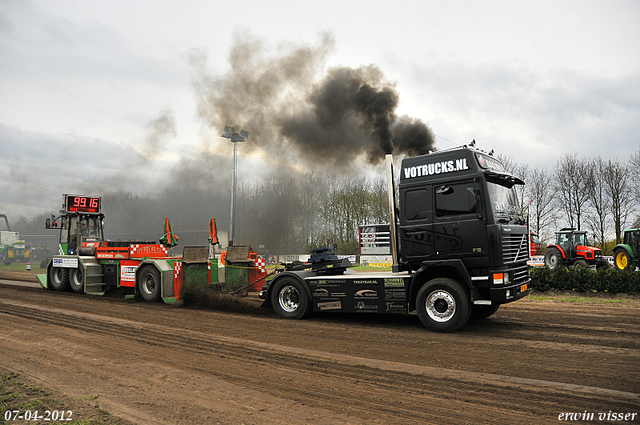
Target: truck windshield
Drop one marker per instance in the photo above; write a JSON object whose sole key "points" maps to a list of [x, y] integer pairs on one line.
{"points": [[504, 202]]}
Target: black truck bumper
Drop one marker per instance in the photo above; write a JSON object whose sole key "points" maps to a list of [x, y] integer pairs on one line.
{"points": [[506, 294]]}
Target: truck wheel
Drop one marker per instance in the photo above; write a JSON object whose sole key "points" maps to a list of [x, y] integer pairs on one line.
{"points": [[443, 305], [622, 259], [59, 278], [149, 284], [479, 312], [553, 258], [289, 299], [76, 280]]}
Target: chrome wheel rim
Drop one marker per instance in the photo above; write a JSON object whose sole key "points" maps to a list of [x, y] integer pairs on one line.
{"points": [[289, 298], [440, 306]]}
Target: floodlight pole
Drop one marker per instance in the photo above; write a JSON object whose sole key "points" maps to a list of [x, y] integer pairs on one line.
{"points": [[235, 138]]}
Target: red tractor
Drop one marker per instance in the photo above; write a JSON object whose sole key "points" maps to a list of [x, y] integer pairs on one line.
{"points": [[572, 249]]}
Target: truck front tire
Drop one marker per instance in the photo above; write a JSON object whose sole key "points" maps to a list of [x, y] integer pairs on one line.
{"points": [[289, 299], [443, 305]]}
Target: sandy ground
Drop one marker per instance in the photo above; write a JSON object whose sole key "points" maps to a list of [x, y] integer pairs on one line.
{"points": [[156, 364]]}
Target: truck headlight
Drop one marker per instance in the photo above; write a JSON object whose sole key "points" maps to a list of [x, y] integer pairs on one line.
{"points": [[500, 278]]}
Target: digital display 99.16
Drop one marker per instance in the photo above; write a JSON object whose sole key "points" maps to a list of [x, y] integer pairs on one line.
{"points": [[84, 204]]}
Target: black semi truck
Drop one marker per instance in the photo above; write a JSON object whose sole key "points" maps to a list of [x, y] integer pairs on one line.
{"points": [[459, 244]]}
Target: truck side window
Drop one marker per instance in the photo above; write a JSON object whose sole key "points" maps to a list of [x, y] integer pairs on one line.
{"points": [[455, 199], [416, 205]]}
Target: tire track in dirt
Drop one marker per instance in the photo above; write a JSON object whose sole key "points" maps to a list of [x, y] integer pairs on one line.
{"points": [[416, 383]]}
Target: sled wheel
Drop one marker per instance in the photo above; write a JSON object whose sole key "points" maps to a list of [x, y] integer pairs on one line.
{"points": [[149, 284]]}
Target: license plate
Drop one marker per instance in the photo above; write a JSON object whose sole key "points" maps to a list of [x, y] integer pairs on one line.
{"points": [[524, 288]]}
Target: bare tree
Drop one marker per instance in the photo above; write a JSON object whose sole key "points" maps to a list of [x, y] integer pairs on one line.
{"points": [[542, 203], [634, 166], [571, 182], [616, 178], [598, 200], [379, 202]]}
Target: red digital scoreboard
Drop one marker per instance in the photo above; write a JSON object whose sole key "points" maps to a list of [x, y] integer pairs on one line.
{"points": [[85, 204]]}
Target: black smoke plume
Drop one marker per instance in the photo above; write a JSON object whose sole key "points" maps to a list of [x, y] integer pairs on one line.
{"points": [[294, 109]]}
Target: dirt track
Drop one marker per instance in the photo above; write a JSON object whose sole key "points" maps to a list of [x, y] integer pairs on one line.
{"points": [[156, 364]]}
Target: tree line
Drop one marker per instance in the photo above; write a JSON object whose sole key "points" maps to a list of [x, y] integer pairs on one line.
{"points": [[593, 194], [289, 212]]}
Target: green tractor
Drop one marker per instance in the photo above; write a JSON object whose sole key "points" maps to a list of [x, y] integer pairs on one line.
{"points": [[625, 255], [11, 247]]}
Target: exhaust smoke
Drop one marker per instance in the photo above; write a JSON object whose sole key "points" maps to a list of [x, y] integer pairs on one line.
{"points": [[296, 110]]}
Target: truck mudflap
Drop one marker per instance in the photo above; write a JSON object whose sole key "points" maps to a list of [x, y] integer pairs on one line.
{"points": [[506, 294]]}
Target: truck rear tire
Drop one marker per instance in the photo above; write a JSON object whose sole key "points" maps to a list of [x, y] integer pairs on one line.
{"points": [[553, 258], [149, 283], [443, 305], [289, 299], [59, 278], [76, 280], [622, 259]]}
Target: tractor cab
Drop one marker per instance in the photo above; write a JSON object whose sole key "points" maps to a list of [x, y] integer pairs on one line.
{"points": [[80, 223], [569, 240], [632, 237]]}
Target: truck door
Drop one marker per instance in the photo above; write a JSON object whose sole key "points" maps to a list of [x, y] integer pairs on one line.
{"points": [[416, 223], [459, 229]]}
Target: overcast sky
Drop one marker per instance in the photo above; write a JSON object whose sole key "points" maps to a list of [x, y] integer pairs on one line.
{"points": [[99, 95]]}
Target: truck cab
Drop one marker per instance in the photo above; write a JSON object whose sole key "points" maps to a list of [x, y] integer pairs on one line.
{"points": [[460, 215]]}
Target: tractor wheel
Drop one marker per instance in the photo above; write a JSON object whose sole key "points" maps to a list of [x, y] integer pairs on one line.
{"points": [[622, 259], [149, 283], [553, 258], [59, 278], [479, 312], [580, 263], [289, 299], [76, 280], [443, 305]]}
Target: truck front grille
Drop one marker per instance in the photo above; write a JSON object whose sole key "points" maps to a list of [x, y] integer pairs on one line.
{"points": [[521, 275], [514, 248]]}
